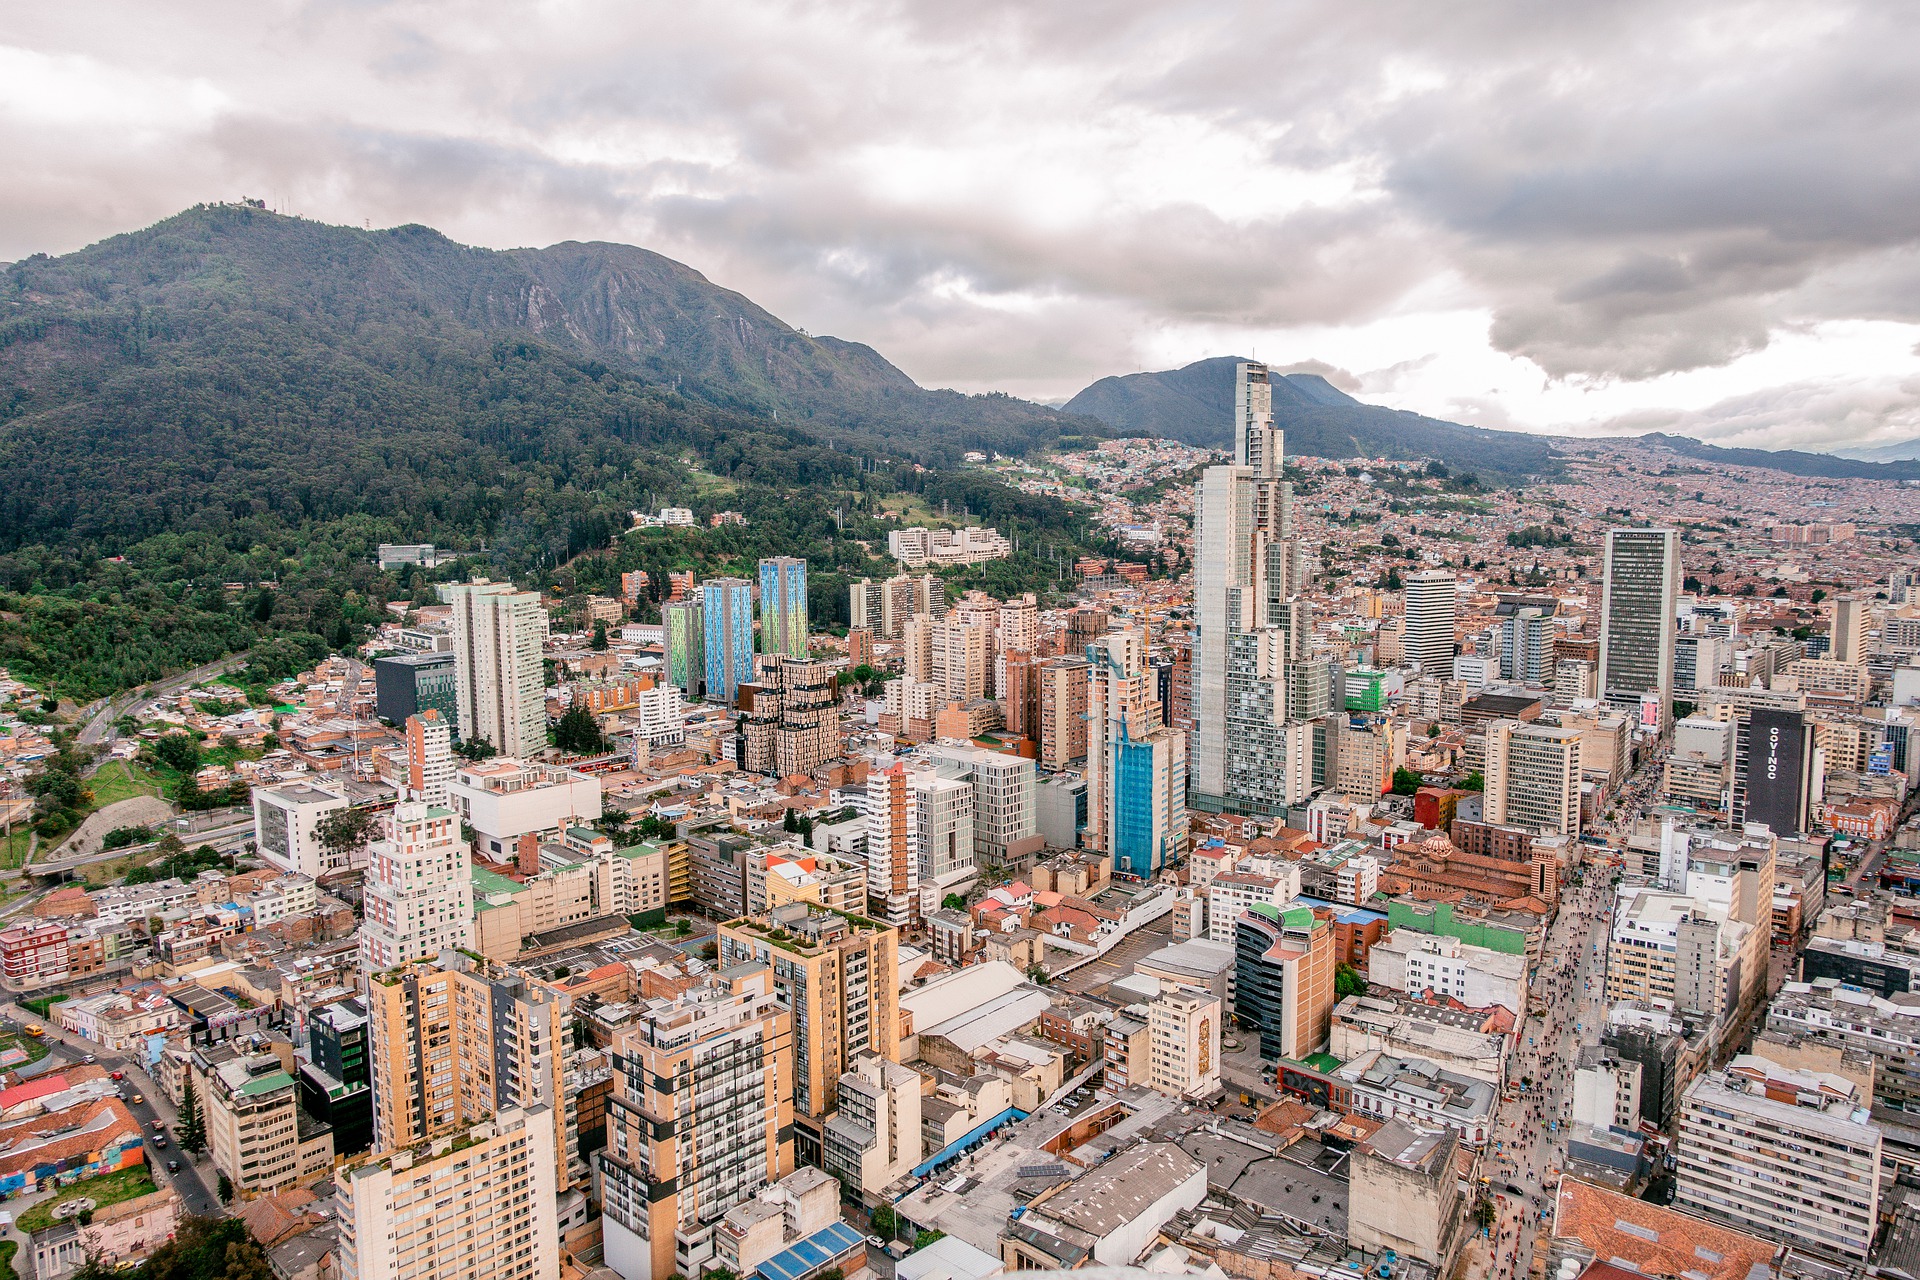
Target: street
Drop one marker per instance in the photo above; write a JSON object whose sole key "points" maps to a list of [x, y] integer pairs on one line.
{"points": [[1530, 1140], [187, 1184]]}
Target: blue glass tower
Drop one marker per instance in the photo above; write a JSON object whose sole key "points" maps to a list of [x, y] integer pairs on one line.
{"points": [[727, 608]]}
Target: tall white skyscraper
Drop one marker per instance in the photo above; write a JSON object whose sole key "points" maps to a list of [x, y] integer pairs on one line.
{"points": [[1638, 600], [1848, 635], [497, 635], [1429, 622], [1247, 570], [418, 891]]}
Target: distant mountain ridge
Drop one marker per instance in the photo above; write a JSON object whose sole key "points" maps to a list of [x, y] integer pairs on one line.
{"points": [[1797, 462], [1195, 404], [1898, 451]]}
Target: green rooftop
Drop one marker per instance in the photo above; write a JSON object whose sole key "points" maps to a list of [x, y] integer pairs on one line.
{"points": [[257, 1085], [486, 882]]}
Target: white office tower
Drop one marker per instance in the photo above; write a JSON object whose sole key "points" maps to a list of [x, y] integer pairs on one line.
{"points": [[1429, 622], [1848, 636], [1638, 599], [1248, 628], [418, 891], [497, 635]]}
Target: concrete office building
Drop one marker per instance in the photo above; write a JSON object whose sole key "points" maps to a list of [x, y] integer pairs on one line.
{"points": [[1184, 1037], [893, 867], [1006, 821], [1136, 766], [1063, 711], [497, 637], [726, 608], [1638, 598], [874, 1139], [429, 759], [1532, 776], [783, 606], [1283, 979], [286, 829], [1851, 618], [699, 1121], [1430, 597]]}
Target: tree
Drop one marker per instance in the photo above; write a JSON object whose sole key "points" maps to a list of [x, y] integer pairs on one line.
{"points": [[475, 749], [954, 902], [344, 833], [178, 752], [924, 1238], [791, 822], [226, 1188], [578, 733], [193, 1126], [1406, 782], [200, 1248], [599, 641], [884, 1221], [1347, 982], [1473, 782], [1484, 1213]]}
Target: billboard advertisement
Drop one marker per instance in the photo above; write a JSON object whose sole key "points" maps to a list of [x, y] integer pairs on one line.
{"points": [[1777, 770]]}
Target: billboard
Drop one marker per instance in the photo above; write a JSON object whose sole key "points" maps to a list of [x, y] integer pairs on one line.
{"points": [[1777, 770]]}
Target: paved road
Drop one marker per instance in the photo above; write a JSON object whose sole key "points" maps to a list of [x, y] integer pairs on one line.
{"points": [[99, 729], [222, 838], [188, 1184]]}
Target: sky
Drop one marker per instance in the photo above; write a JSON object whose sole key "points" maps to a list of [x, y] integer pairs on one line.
{"points": [[1583, 219]]}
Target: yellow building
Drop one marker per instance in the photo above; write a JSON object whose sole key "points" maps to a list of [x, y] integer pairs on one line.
{"points": [[837, 973]]}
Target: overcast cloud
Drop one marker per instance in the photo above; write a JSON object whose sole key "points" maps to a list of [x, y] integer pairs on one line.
{"points": [[1584, 218]]}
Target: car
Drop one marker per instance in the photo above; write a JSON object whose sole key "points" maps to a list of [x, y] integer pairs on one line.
{"points": [[136, 1099], [160, 1141], [876, 1242], [173, 1166], [89, 1059], [1514, 1191], [119, 1075]]}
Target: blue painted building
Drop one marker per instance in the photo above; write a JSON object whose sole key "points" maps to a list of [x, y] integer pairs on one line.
{"points": [[783, 606]]}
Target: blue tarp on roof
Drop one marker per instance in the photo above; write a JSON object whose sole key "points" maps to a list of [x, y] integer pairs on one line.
{"points": [[812, 1254], [959, 1147]]}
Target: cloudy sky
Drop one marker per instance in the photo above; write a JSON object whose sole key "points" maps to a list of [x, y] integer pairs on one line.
{"points": [[1588, 218]]}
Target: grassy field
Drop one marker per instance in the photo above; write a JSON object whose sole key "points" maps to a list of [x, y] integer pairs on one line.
{"points": [[913, 510], [122, 780], [13, 849]]}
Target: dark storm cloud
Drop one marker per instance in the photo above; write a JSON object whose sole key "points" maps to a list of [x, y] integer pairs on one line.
{"points": [[1005, 193]]}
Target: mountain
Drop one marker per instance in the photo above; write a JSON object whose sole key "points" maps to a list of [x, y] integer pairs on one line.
{"points": [[1898, 451], [1792, 461], [1195, 404]]}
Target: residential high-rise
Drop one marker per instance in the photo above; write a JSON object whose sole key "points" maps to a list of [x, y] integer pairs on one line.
{"points": [[1185, 1036], [1850, 617], [783, 606], [874, 1139], [497, 637], [685, 637], [859, 647], [1247, 567], [866, 605], [789, 716], [1639, 595], [1526, 640], [837, 977], [941, 832], [1429, 621], [1532, 776], [1136, 766], [962, 653], [1284, 964], [726, 606], [429, 758], [893, 870], [1789, 1155], [1063, 711], [699, 1121], [1020, 693], [466, 1057], [981, 614], [418, 893]]}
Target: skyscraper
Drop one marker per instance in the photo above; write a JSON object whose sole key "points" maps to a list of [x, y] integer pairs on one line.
{"points": [[1638, 598], [783, 606], [1247, 570], [893, 872], [686, 644], [700, 1119], [1532, 776], [1848, 632], [1136, 765], [1429, 622], [497, 636], [1063, 710], [726, 606], [418, 892]]}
